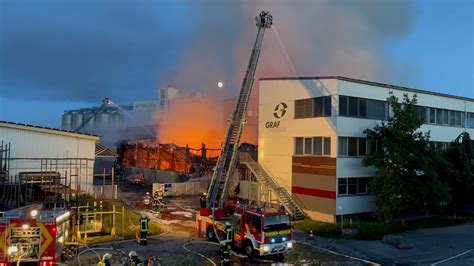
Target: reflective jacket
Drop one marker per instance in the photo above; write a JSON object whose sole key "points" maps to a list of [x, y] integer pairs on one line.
{"points": [[143, 224]]}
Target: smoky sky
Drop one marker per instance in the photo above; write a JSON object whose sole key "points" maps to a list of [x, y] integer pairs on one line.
{"points": [[85, 50]]}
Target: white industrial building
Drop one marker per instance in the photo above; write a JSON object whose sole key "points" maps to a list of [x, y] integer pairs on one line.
{"points": [[35, 150], [311, 136]]}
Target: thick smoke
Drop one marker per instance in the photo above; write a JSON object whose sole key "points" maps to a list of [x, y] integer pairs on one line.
{"points": [[308, 38]]}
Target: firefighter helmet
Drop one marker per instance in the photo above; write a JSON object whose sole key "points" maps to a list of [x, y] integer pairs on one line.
{"points": [[107, 256], [204, 194], [133, 254], [143, 215], [148, 193], [227, 224]]}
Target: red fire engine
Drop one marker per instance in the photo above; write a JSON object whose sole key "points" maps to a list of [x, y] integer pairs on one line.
{"points": [[32, 235], [256, 230]]}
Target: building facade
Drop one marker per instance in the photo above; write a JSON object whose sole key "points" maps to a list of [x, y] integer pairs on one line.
{"points": [[42, 151], [311, 136]]}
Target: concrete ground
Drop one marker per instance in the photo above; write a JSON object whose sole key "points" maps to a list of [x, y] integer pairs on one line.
{"points": [[179, 244], [439, 246]]}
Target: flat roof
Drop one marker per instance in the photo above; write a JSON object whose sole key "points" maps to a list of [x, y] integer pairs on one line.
{"points": [[372, 83], [47, 130]]}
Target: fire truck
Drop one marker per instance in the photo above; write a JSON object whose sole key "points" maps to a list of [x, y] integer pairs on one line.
{"points": [[34, 236], [260, 231], [256, 230]]}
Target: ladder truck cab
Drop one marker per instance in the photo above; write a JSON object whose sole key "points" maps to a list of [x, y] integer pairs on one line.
{"points": [[256, 231], [32, 235]]}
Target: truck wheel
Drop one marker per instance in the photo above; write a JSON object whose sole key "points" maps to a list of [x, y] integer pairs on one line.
{"points": [[248, 249], [210, 233], [279, 257]]}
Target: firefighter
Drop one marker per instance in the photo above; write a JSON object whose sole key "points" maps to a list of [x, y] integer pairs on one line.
{"points": [[105, 260], [225, 253], [143, 229], [147, 200], [228, 233], [226, 244], [133, 259], [203, 200]]}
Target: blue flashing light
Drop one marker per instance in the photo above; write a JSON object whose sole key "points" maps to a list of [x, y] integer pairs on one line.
{"points": [[272, 240], [283, 239]]}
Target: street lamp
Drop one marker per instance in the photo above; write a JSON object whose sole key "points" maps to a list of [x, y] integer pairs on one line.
{"points": [[342, 216]]}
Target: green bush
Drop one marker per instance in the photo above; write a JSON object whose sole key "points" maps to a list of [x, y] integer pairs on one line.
{"points": [[375, 230], [319, 228]]}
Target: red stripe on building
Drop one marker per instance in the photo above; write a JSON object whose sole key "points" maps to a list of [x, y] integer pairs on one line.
{"points": [[314, 192]]}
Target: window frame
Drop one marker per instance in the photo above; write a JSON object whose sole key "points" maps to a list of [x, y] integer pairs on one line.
{"points": [[360, 184]]}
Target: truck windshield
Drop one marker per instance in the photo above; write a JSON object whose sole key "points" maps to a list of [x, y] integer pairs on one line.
{"points": [[276, 222]]}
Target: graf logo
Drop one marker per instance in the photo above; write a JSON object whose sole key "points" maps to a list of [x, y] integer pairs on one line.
{"points": [[280, 110]]}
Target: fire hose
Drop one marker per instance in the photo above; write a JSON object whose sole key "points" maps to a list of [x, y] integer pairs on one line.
{"points": [[199, 254]]}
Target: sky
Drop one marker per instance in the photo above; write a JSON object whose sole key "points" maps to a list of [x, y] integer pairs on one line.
{"points": [[59, 55]]}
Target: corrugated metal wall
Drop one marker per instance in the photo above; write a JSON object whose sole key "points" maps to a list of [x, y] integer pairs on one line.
{"points": [[44, 143], [34, 144]]}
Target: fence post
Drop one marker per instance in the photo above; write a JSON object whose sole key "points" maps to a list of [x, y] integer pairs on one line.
{"points": [[112, 232], [123, 222]]}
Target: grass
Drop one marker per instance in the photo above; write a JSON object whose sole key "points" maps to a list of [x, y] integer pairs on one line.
{"points": [[375, 230], [131, 225]]}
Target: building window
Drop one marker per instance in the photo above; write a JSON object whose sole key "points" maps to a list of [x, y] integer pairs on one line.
{"points": [[420, 113], [440, 116], [327, 105], [371, 146], [343, 104], [342, 146], [322, 106], [350, 146], [308, 146], [303, 108], [353, 186], [327, 146], [342, 186], [362, 146], [432, 116], [318, 146], [313, 107], [377, 110], [353, 107], [470, 120], [364, 108], [313, 146], [298, 145], [362, 185]]}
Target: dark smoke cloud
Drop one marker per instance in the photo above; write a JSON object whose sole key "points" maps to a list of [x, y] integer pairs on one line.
{"points": [[85, 50]]}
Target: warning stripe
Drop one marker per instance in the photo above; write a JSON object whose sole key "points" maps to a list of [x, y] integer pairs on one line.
{"points": [[314, 192]]}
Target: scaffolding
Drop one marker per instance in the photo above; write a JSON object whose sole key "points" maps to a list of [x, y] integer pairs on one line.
{"points": [[53, 181]]}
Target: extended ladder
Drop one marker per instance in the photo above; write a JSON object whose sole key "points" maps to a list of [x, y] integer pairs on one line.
{"points": [[229, 150]]}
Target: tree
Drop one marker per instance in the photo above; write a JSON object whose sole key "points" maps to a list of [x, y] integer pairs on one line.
{"points": [[460, 178], [406, 174]]}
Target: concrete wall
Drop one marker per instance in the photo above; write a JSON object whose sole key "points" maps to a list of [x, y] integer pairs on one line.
{"points": [[182, 189]]}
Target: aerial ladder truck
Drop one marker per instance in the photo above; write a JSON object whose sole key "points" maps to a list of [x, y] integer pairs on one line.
{"points": [[256, 230]]}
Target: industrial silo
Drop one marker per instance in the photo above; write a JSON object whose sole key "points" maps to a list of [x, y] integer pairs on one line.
{"points": [[66, 121], [77, 119], [89, 116], [102, 120], [118, 119]]}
